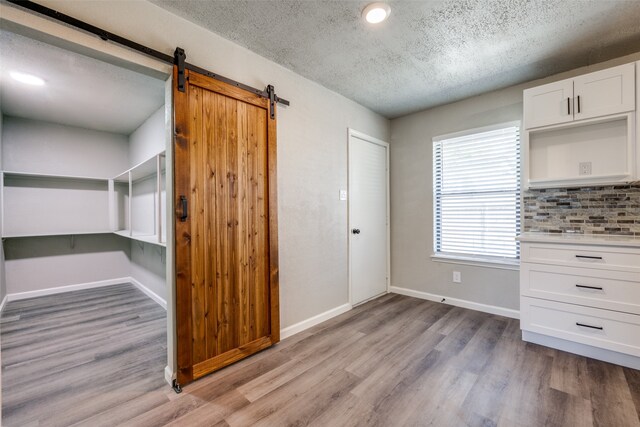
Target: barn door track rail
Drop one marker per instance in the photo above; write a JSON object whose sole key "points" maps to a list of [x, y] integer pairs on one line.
{"points": [[178, 59]]}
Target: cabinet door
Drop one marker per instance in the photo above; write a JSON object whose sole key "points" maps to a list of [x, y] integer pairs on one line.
{"points": [[549, 104], [605, 92]]}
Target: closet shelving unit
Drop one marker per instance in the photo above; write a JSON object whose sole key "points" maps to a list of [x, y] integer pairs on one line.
{"points": [[138, 201], [40, 204], [130, 204]]}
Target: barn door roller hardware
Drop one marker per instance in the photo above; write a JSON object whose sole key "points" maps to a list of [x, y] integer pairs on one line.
{"points": [[268, 92], [178, 59], [272, 101]]}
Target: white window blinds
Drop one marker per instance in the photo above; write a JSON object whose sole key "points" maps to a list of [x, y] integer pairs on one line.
{"points": [[476, 179]]}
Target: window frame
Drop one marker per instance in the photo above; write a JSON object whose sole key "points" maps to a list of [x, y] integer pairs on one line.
{"points": [[468, 259]]}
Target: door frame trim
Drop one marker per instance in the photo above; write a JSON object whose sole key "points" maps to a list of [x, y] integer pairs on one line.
{"points": [[351, 134]]}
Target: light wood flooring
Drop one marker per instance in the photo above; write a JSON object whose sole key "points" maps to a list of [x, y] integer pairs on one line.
{"points": [[394, 361], [68, 356]]}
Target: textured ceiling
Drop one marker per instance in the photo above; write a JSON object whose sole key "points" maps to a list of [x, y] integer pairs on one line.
{"points": [[427, 53], [79, 91]]}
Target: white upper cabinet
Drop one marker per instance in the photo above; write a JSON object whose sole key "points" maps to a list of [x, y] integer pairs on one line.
{"points": [[597, 94], [582, 131], [549, 104], [605, 92]]}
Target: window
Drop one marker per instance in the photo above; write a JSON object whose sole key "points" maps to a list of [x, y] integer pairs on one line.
{"points": [[476, 190]]}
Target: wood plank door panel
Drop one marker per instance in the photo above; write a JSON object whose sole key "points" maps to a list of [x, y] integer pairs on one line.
{"points": [[226, 248]]}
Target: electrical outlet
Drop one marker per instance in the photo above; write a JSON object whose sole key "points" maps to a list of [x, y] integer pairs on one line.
{"points": [[584, 168], [457, 277], [343, 194]]}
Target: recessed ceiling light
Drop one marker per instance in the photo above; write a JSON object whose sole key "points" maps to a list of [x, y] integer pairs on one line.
{"points": [[25, 78], [376, 12]]}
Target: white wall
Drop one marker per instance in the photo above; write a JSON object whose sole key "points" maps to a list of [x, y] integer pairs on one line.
{"points": [[148, 266], [48, 262], [148, 139], [3, 283], [412, 195], [41, 147], [312, 147]]}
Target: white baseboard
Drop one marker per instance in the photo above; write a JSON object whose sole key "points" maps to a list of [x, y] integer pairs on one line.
{"points": [[501, 311], [52, 291], [168, 375], [80, 286], [157, 298], [312, 321], [4, 302], [614, 357]]}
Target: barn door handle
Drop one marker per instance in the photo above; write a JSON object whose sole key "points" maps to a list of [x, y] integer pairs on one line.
{"points": [[185, 208]]}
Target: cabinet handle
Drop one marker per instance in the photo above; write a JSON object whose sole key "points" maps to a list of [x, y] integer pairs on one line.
{"points": [[600, 328], [599, 288], [568, 105], [578, 103], [588, 257], [185, 208]]}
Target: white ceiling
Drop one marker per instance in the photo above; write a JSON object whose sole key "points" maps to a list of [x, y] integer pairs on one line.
{"points": [[79, 91], [427, 53]]}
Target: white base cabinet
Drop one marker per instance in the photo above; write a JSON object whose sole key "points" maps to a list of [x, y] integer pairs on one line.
{"points": [[611, 330], [582, 289]]}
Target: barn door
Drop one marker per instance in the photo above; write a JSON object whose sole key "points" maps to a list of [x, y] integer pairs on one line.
{"points": [[226, 226]]}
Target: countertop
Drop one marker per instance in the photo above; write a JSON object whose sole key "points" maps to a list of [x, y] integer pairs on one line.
{"points": [[580, 239]]}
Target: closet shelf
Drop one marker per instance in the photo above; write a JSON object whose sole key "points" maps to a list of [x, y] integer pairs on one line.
{"points": [[147, 238], [61, 233], [142, 170], [17, 174]]}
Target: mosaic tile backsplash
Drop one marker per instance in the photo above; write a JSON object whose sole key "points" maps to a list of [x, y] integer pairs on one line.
{"points": [[589, 210]]}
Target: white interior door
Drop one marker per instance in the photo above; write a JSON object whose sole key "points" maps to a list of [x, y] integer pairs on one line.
{"points": [[368, 217]]}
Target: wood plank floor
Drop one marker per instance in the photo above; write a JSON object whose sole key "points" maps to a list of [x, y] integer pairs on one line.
{"points": [[68, 356], [394, 361]]}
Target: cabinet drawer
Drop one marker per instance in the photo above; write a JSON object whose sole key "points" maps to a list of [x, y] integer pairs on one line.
{"points": [[606, 289], [591, 326], [597, 257]]}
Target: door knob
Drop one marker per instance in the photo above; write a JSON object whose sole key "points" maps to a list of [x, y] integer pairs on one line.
{"points": [[356, 231]]}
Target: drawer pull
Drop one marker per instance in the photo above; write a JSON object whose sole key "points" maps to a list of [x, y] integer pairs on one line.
{"points": [[590, 326], [599, 288], [588, 257]]}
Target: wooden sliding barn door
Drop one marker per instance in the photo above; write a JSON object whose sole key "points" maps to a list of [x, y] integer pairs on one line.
{"points": [[226, 225]]}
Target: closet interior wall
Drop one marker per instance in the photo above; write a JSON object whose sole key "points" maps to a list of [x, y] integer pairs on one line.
{"points": [[148, 261], [76, 256]]}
